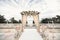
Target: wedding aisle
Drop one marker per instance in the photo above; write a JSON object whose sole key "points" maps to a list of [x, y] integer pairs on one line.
{"points": [[30, 34]]}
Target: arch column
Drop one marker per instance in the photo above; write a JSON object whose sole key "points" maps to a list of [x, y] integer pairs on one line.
{"points": [[24, 19], [36, 20]]}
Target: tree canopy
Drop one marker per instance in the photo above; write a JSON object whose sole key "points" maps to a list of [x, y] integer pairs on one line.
{"points": [[2, 19], [54, 19]]}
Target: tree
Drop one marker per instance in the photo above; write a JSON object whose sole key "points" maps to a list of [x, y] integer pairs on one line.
{"points": [[13, 20], [54, 19], [2, 19], [20, 21], [58, 18], [45, 20]]}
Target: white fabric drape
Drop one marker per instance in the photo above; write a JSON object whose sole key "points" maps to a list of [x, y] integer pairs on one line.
{"points": [[36, 20], [24, 18]]}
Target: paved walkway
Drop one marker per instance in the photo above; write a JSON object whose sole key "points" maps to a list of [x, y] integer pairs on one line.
{"points": [[30, 34]]}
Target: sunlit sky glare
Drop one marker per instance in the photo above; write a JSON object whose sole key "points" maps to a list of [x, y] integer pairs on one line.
{"points": [[12, 8]]}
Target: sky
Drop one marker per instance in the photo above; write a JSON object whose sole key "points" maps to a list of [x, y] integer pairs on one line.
{"points": [[13, 8]]}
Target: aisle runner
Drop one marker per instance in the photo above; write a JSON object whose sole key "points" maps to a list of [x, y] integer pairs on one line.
{"points": [[30, 34]]}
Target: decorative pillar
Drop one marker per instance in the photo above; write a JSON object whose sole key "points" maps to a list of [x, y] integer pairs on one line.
{"points": [[36, 19], [24, 18]]}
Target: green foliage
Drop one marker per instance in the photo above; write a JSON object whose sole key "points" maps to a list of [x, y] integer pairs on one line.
{"points": [[13, 20], [20, 21], [45, 20], [2, 19], [54, 19]]}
